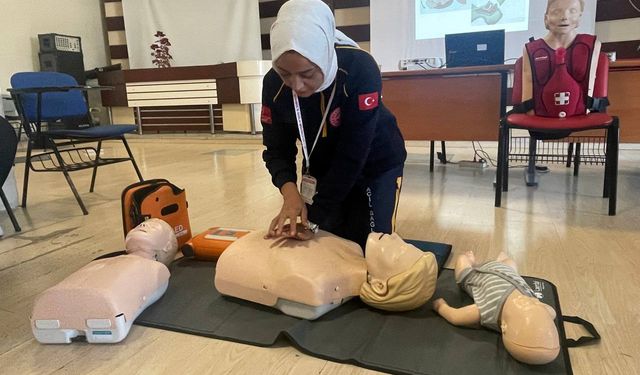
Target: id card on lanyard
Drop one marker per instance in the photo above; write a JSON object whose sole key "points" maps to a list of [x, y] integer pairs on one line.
{"points": [[309, 184]]}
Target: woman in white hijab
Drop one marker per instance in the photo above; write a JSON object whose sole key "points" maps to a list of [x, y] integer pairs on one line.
{"points": [[325, 91]]}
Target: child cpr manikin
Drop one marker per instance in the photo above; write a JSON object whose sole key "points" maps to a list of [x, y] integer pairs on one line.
{"points": [[504, 303], [102, 299]]}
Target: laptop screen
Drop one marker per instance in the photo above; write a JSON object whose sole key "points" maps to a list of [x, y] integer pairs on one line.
{"points": [[477, 48]]}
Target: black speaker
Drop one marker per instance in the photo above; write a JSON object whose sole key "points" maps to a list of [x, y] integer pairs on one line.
{"points": [[62, 53]]}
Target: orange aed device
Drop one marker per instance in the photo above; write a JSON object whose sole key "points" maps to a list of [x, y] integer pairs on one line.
{"points": [[209, 244], [156, 199]]}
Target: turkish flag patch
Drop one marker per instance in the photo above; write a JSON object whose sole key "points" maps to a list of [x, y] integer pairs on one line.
{"points": [[265, 115], [368, 101], [334, 118]]}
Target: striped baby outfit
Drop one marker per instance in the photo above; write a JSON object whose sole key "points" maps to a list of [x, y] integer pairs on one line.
{"points": [[490, 284]]}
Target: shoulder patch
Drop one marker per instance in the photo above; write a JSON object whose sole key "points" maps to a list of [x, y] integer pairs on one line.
{"points": [[368, 101], [265, 115]]}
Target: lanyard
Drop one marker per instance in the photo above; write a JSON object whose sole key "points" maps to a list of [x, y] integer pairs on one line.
{"points": [[303, 140]]}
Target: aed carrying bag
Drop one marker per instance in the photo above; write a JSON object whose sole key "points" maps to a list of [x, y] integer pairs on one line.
{"points": [[156, 199]]}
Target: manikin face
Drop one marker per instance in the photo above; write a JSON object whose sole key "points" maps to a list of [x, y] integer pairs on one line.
{"points": [[298, 73], [531, 336], [388, 255], [563, 16], [153, 239]]}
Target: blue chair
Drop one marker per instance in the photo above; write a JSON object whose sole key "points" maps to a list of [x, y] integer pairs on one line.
{"points": [[54, 115], [8, 145]]}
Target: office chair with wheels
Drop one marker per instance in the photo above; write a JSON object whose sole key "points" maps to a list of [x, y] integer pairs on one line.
{"points": [[557, 127], [8, 146], [55, 116]]}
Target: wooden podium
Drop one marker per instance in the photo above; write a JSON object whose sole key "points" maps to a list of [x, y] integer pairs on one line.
{"points": [[189, 98]]}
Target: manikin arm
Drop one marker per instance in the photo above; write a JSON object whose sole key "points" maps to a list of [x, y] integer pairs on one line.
{"points": [[468, 316]]}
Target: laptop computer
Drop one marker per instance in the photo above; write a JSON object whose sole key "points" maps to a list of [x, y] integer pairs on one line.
{"points": [[476, 48]]}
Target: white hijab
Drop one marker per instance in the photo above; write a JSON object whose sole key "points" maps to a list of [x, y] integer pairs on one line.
{"points": [[308, 27]]}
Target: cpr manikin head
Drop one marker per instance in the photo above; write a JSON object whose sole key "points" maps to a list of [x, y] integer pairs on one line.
{"points": [[153, 239], [400, 277], [563, 17], [528, 330]]}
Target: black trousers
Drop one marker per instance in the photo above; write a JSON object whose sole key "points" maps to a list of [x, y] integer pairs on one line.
{"points": [[371, 206]]}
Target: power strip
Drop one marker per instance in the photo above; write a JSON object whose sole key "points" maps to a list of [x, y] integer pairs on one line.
{"points": [[472, 164]]}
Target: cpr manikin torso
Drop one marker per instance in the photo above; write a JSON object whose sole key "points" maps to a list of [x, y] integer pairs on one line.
{"points": [[102, 299], [400, 276], [504, 303], [305, 279]]}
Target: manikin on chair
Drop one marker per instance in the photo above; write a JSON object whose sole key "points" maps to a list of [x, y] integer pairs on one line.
{"points": [[561, 125]]}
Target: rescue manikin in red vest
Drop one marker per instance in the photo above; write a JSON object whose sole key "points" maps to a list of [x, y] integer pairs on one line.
{"points": [[559, 69]]}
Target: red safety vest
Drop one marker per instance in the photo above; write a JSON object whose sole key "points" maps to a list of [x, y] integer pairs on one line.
{"points": [[562, 79]]}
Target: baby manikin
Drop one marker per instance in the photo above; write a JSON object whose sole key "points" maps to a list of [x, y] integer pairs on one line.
{"points": [[101, 300], [505, 303]]}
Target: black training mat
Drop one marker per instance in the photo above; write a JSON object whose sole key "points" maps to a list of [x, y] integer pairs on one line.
{"points": [[415, 342]]}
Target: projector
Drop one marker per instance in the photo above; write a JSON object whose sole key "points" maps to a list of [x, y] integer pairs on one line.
{"points": [[421, 63]]}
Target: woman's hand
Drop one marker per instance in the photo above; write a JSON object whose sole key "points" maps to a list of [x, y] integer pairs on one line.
{"points": [[292, 208], [303, 233]]}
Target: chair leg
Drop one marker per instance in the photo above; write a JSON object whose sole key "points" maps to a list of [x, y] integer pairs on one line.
{"points": [[530, 177], [68, 178], [505, 150], [444, 152], [569, 154], [133, 160], [7, 206], [432, 151], [95, 167], [499, 170], [613, 169], [607, 166], [576, 161], [27, 167]]}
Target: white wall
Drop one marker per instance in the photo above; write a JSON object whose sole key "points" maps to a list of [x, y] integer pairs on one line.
{"points": [[22, 20]]}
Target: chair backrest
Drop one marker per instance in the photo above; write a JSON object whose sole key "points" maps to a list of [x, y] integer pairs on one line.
{"points": [[601, 86], [54, 105], [8, 146]]}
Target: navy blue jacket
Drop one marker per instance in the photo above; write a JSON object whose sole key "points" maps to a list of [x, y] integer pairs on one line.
{"points": [[360, 139]]}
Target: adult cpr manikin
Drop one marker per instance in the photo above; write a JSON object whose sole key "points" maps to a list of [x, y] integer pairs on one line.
{"points": [[308, 278], [527, 325], [400, 276], [102, 299], [305, 279]]}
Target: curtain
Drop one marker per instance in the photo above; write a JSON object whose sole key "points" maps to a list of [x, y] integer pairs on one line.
{"points": [[200, 32]]}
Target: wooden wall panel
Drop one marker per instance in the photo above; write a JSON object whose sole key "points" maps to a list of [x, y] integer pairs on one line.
{"points": [[608, 10]]}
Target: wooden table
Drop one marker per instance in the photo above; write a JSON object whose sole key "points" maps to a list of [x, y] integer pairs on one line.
{"points": [[624, 95], [452, 104], [465, 104]]}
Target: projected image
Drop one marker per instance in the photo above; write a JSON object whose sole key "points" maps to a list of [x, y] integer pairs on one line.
{"points": [[437, 6], [492, 12], [436, 18]]}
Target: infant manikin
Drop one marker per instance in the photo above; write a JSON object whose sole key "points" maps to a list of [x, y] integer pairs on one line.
{"points": [[400, 276], [99, 302], [305, 279], [504, 303]]}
